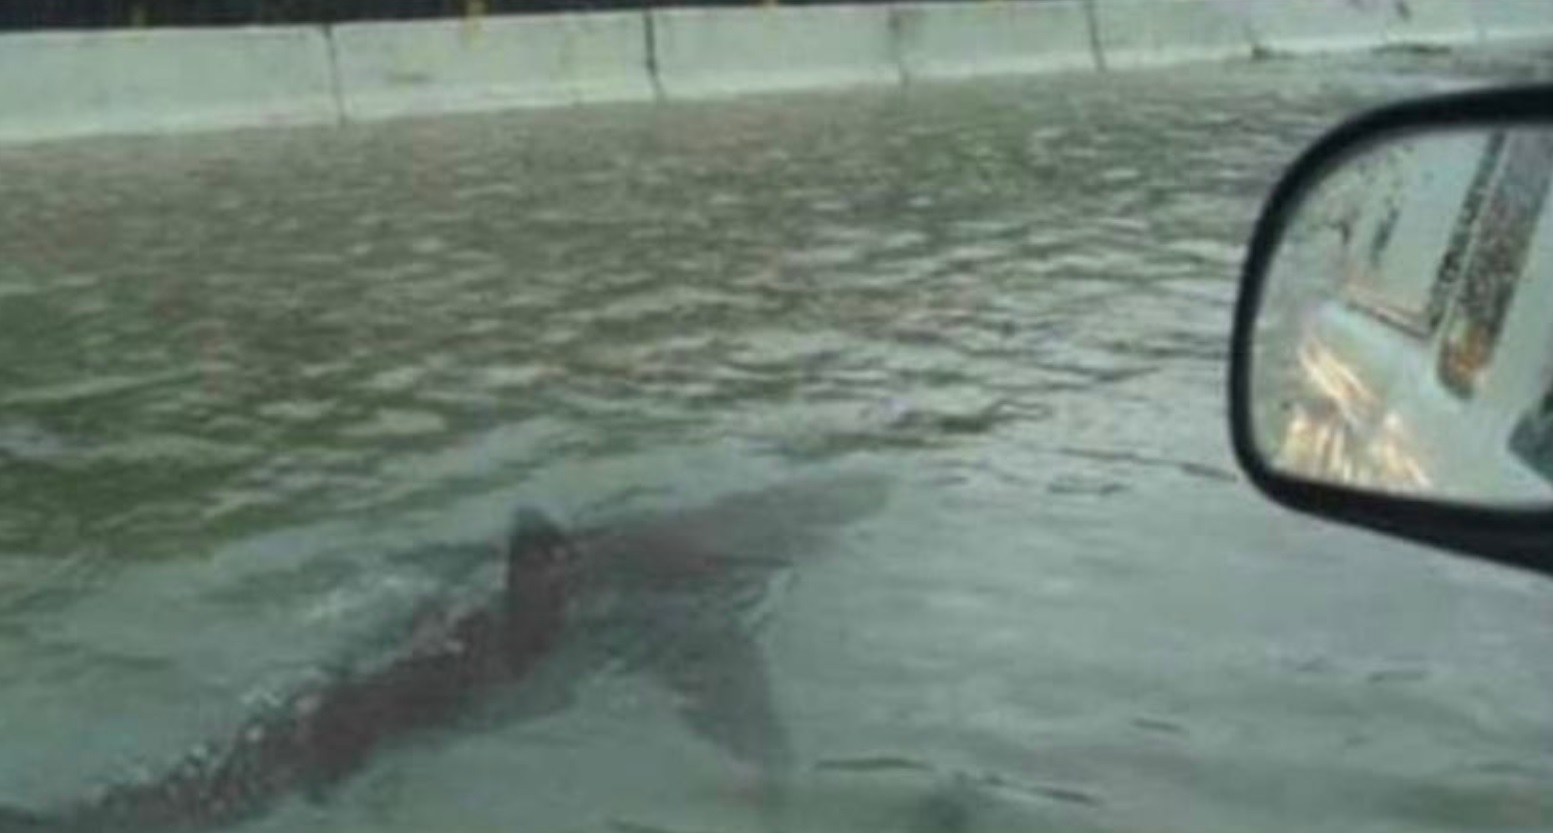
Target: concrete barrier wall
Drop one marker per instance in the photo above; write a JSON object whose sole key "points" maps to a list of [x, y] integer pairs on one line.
{"points": [[714, 52], [427, 67], [64, 84], [1438, 22], [1145, 33], [1308, 26], [86, 83], [1304, 26], [998, 38], [1509, 19]]}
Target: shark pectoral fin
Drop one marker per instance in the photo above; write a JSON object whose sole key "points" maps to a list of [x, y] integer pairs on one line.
{"points": [[724, 691]]}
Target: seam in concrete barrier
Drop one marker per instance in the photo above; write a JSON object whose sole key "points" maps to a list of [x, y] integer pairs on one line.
{"points": [[651, 44], [897, 37], [1250, 34], [336, 82], [1092, 21]]}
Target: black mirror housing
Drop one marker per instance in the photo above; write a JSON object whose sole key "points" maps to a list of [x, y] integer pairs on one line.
{"points": [[1519, 536]]}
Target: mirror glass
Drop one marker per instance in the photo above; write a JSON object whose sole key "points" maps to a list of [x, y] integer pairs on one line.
{"points": [[1404, 342]]}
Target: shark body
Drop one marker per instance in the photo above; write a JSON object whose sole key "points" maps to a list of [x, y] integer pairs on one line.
{"points": [[678, 598]]}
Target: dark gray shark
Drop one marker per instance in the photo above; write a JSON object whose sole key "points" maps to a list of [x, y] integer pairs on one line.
{"points": [[677, 597]]}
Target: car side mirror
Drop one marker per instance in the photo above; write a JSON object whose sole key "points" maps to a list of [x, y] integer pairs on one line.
{"points": [[1392, 356]]}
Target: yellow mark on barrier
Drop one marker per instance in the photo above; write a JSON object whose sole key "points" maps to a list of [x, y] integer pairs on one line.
{"points": [[474, 10], [138, 17]]}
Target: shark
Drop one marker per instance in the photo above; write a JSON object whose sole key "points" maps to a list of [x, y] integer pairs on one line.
{"points": [[677, 597]]}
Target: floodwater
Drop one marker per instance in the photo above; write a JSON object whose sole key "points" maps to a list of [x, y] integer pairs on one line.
{"points": [[956, 354]]}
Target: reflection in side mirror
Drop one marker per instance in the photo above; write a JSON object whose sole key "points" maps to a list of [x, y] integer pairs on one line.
{"points": [[1403, 343]]}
